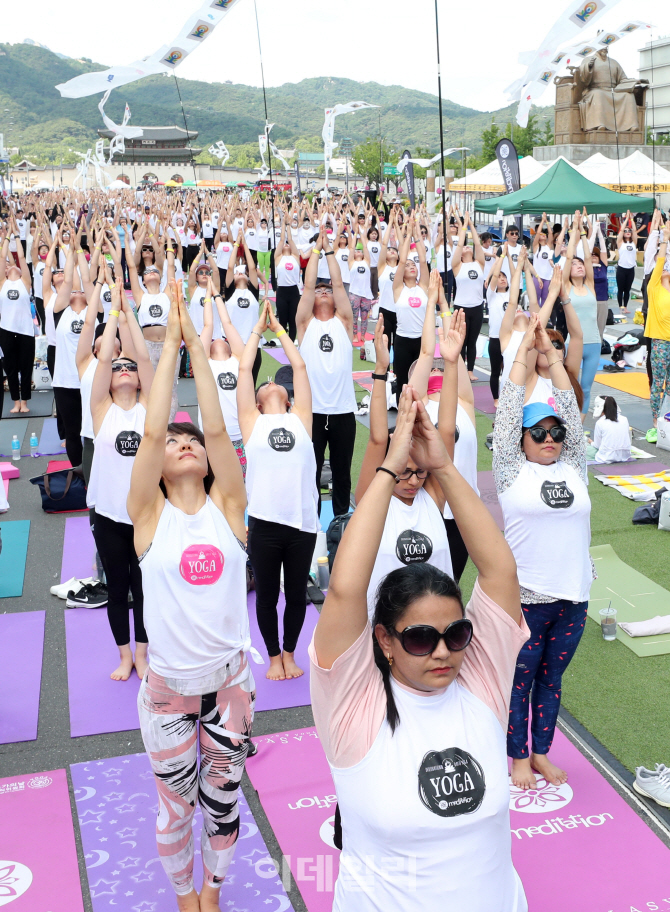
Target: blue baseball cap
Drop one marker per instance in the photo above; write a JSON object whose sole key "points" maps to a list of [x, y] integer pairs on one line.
{"points": [[534, 412]]}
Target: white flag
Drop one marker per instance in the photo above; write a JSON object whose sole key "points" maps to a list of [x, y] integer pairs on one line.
{"points": [[328, 131], [126, 132], [220, 151]]}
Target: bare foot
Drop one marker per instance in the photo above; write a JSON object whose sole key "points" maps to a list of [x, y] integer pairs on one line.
{"points": [[24, 408], [209, 899], [522, 774], [276, 670], [291, 669], [16, 409], [472, 376], [189, 903], [546, 768], [141, 662], [122, 673]]}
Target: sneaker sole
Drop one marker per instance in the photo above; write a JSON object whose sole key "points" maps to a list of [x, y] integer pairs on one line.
{"points": [[641, 791], [72, 604]]}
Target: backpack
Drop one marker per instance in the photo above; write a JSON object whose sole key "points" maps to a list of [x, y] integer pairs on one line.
{"points": [[334, 535]]}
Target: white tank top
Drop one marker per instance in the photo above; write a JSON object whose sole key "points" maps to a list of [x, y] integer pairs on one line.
{"points": [[544, 263], [497, 301], [627, 255], [322, 270], [465, 449], [342, 257], [470, 285], [513, 254], [413, 534], [68, 331], [374, 248], [38, 275], [154, 309], [281, 472], [434, 797], [411, 310], [243, 311], [288, 271], [226, 374], [510, 354], [49, 323], [547, 511], [197, 311], [327, 350], [250, 237], [262, 240], [385, 282], [15, 313], [114, 454], [86, 385], [359, 279], [543, 391], [223, 254], [195, 593]]}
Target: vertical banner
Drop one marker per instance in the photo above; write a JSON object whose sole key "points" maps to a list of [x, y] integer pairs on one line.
{"points": [[297, 179], [508, 161], [408, 168]]}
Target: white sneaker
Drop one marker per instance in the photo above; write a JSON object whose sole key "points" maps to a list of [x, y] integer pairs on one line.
{"points": [[654, 784], [73, 584]]}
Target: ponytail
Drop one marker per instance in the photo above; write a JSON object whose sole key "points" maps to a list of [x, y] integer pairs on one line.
{"points": [[576, 388]]}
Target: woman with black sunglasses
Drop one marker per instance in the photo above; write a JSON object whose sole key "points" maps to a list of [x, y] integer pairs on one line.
{"points": [[411, 720], [539, 467]]}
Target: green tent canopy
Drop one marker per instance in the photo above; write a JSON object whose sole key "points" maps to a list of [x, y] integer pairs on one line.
{"points": [[563, 189]]}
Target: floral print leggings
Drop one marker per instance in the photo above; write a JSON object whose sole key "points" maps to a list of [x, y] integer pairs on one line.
{"points": [[361, 306], [660, 366]]}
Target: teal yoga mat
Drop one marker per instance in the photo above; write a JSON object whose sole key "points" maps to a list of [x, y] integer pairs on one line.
{"points": [[13, 557], [17, 426]]}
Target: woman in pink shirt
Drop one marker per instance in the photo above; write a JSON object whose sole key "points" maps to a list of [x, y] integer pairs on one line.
{"points": [[412, 710]]}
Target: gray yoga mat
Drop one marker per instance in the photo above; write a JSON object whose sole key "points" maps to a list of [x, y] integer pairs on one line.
{"points": [[17, 426], [41, 406]]}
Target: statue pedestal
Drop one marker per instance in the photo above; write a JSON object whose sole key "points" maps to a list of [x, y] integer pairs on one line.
{"points": [[577, 153]]}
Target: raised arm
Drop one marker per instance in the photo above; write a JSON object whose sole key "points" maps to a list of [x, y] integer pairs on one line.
{"points": [[247, 411], [451, 339], [340, 296], [375, 449], [87, 334], [302, 393], [424, 364], [305, 309]]}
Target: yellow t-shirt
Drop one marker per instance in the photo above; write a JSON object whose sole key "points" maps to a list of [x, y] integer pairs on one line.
{"points": [[658, 313]]}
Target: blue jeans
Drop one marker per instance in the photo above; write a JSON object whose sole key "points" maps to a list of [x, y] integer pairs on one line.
{"points": [[590, 362], [555, 631]]}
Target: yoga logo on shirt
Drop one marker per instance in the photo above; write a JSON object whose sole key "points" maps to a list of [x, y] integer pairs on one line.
{"points": [[413, 547], [473, 274], [227, 380], [155, 310], [289, 267], [545, 255], [13, 294], [76, 326], [414, 301], [451, 782], [326, 343], [360, 269], [557, 495], [127, 443], [243, 303], [107, 297], [281, 440], [201, 565]]}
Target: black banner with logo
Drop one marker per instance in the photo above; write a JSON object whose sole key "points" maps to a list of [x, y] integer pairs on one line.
{"points": [[408, 168], [508, 161], [297, 179]]}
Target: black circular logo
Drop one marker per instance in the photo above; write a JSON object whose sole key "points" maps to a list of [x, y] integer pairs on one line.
{"points": [[557, 495], [545, 255], [451, 782], [107, 297], [392, 275], [76, 326], [515, 257], [227, 380], [127, 442], [413, 547], [326, 343], [505, 303], [473, 274], [374, 249], [13, 294], [360, 269], [281, 440], [345, 257], [457, 434], [243, 303], [155, 310]]}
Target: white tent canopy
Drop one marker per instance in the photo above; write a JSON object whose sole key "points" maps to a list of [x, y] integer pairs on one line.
{"points": [[118, 185], [634, 174], [489, 179]]}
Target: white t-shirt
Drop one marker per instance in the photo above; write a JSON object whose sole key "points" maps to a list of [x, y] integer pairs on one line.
{"points": [[288, 272], [411, 311], [243, 311], [497, 301], [612, 439], [327, 349], [15, 311], [68, 330], [116, 445], [342, 257], [465, 448], [469, 285], [226, 374], [224, 251], [627, 255]]}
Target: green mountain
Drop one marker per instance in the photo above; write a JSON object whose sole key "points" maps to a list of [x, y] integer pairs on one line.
{"points": [[34, 117]]}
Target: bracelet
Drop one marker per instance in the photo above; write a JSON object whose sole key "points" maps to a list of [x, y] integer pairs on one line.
{"points": [[551, 363], [255, 332], [315, 251], [114, 313], [99, 283], [583, 234], [282, 332], [383, 377], [206, 300], [113, 285], [445, 313], [522, 363], [80, 250], [330, 253], [388, 472], [97, 246], [217, 296]]}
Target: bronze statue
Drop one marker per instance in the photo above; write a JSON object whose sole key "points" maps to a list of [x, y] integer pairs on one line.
{"points": [[606, 97]]}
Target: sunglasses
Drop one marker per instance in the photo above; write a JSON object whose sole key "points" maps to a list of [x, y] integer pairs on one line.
{"points": [[539, 434], [57, 272], [123, 365], [407, 474], [147, 249], [557, 344], [422, 639]]}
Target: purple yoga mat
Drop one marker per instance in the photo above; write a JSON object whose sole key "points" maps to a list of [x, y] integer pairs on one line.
{"points": [[98, 705], [637, 467], [78, 550], [21, 647], [117, 806], [50, 440], [483, 398], [278, 354], [489, 495], [38, 874], [281, 694]]}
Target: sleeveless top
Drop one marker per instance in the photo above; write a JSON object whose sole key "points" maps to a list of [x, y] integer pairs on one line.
{"points": [[411, 311], [326, 350], [288, 272], [243, 311], [465, 449], [342, 257], [15, 311], [226, 374], [470, 285], [154, 309], [359, 279], [68, 330], [543, 391], [385, 282], [116, 446], [586, 308], [86, 385], [544, 262], [196, 310]]}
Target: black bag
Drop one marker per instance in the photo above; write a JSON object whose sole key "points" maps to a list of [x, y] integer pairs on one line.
{"points": [[610, 317], [326, 475], [649, 513], [334, 535], [605, 348], [63, 491]]}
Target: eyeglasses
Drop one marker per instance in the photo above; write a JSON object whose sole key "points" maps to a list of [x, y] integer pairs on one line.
{"points": [[123, 366], [422, 639], [539, 434], [407, 474]]}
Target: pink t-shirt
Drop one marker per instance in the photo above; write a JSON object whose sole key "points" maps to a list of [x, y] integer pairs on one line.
{"points": [[349, 702]]}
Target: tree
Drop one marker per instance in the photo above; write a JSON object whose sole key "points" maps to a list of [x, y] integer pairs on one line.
{"points": [[547, 138], [490, 139], [662, 139], [368, 159]]}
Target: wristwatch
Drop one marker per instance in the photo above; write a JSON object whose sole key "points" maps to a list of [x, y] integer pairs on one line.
{"points": [[383, 377]]}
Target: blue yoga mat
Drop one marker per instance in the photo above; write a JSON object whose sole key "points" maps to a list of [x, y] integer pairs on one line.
{"points": [[326, 514], [49, 443], [16, 426], [13, 557]]}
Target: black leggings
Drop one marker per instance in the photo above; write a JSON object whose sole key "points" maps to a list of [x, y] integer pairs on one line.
{"points": [[338, 432], [19, 355], [624, 283], [39, 307], [390, 323], [68, 406], [474, 317], [450, 287], [405, 353], [116, 548], [288, 298], [457, 549], [496, 359], [270, 545]]}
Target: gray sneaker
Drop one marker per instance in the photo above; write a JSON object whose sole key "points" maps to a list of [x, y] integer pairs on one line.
{"points": [[654, 784]]}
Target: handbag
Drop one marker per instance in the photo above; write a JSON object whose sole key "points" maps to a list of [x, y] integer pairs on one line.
{"points": [[63, 491]]}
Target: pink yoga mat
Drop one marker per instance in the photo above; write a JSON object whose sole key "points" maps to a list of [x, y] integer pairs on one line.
{"points": [[9, 470], [182, 416], [489, 496], [281, 694], [78, 550], [637, 467], [578, 847], [483, 398], [38, 874], [277, 353], [21, 647]]}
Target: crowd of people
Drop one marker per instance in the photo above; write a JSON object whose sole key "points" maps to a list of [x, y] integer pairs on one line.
{"points": [[133, 289]]}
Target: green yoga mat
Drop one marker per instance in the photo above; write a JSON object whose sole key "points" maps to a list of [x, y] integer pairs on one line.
{"points": [[17, 426], [13, 556], [635, 597]]}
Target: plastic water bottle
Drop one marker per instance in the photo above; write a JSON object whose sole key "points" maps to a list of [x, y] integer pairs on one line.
{"points": [[323, 573], [34, 443], [16, 448]]}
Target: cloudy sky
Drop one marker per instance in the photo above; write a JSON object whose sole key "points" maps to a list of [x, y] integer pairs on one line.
{"points": [[391, 42]]}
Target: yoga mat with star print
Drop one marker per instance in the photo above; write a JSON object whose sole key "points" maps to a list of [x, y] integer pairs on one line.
{"points": [[117, 806], [38, 874], [21, 648], [563, 838]]}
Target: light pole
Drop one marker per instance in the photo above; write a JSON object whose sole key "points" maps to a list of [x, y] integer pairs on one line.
{"points": [[346, 148]]}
